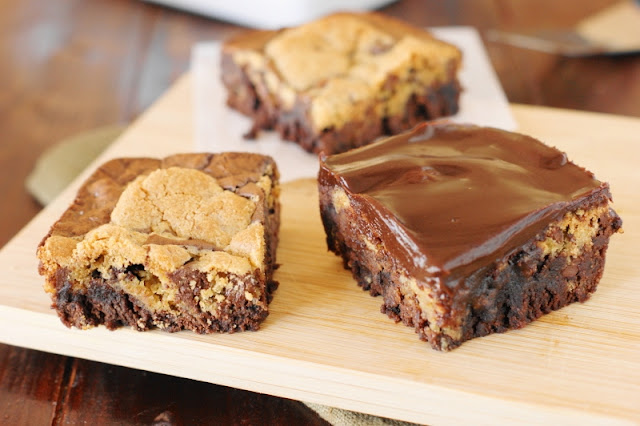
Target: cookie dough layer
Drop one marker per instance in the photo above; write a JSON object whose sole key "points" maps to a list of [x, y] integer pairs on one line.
{"points": [[341, 81], [187, 242]]}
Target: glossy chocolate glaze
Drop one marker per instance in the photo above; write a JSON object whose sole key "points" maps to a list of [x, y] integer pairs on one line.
{"points": [[454, 198]]}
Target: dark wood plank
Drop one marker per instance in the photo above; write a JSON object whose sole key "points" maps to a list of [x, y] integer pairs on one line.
{"points": [[478, 13], [30, 385], [105, 394], [518, 15]]}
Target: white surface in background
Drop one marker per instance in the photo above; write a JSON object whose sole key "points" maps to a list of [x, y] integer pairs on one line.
{"points": [[219, 128], [271, 14]]}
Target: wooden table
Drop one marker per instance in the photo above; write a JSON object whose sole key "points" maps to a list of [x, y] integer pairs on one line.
{"points": [[71, 66]]}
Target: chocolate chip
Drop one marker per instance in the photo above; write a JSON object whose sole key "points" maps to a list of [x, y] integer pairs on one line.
{"points": [[570, 271]]}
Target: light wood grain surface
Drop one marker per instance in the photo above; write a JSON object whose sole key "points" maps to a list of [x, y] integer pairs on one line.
{"points": [[325, 340]]}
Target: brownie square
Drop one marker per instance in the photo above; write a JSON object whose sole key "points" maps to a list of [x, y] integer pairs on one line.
{"points": [[466, 231], [185, 242], [341, 81]]}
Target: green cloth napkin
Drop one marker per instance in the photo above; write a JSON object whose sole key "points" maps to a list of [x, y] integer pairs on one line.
{"points": [[59, 165]]}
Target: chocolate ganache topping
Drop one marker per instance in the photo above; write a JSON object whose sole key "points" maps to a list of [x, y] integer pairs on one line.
{"points": [[457, 197]]}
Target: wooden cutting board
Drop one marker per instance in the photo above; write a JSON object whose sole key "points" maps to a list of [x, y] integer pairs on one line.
{"points": [[325, 340]]}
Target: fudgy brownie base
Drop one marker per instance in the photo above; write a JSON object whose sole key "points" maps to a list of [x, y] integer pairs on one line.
{"points": [[293, 125], [507, 295], [221, 294]]}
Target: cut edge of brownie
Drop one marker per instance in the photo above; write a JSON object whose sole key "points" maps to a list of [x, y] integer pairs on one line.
{"points": [[198, 302], [102, 304]]}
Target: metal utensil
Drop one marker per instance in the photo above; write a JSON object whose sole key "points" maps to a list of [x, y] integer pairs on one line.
{"points": [[613, 31]]}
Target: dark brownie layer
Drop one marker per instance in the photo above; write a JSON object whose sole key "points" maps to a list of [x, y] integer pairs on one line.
{"points": [[466, 231], [101, 304]]}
